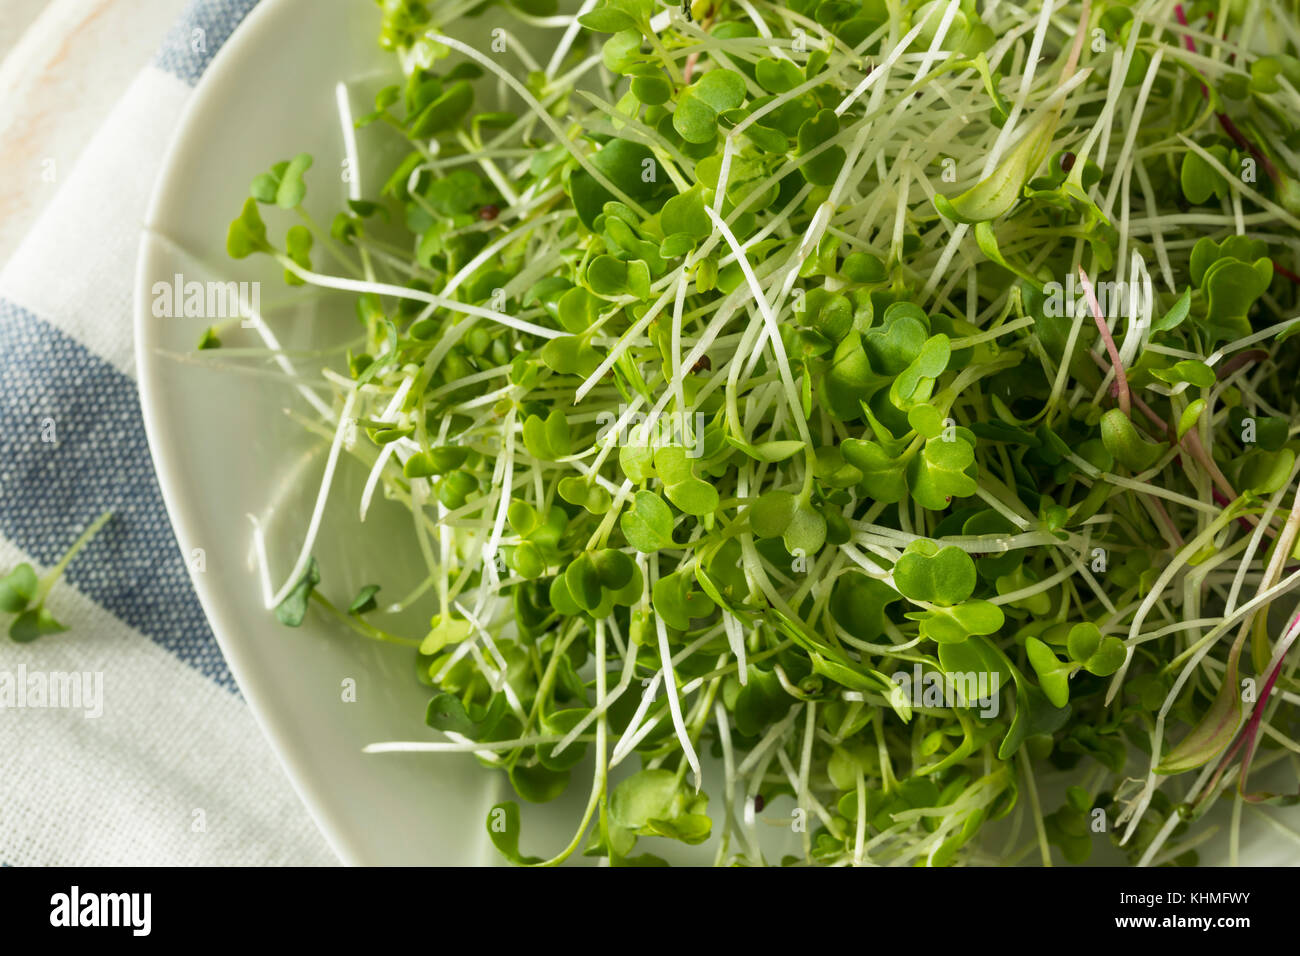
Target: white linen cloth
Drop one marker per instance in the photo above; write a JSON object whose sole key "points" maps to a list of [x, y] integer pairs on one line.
{"points": [[174, 771]]}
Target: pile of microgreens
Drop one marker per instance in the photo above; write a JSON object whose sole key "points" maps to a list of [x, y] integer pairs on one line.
{"points": [[818, 240]]}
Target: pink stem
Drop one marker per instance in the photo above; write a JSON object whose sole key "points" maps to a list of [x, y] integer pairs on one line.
{"points": [[1140, 405], [690, 67], [1240, 359], [693, 58], [1176, 539], [1121, 380], [1187, 39], [1225, 120], [1246, 739], [1192, 442], [1252, 728], [1224, 493]]}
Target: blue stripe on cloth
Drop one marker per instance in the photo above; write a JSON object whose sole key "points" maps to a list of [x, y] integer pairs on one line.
{"points": [[50, 491], [198, 34]]}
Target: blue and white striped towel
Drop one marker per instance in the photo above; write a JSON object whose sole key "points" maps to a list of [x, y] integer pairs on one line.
{"points": [[174, 771]]}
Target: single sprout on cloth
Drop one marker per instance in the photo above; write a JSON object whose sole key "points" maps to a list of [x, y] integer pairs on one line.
{"points": [[23, 593], [841, 432]]}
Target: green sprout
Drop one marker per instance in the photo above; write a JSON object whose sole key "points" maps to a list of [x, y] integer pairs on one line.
{"points": [[742, 359], [23, 593]]}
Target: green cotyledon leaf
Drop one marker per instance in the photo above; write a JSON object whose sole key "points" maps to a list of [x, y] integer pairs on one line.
{"points": [[1213, 732], [954, 625], [284, 184], [1177, 313], [1125, 444], [648, 524], [627, 165], [858, 604], [791, 518], [33, 623], [1034, 714], [1098, 655], [247, 233], [615, 15], [974, 657], [503, 830], [822, 169], [761, 701], [769, 451], [298, 243], [17, 588], [694, 496], [655, 803], [447, 712], [586, 494], [547, 438], [913, 383], [883, 476], [1053, 673], [684, 214], [1199, 180], [940, 473], [293, 608], [677, 601], [992, 197], [1231, 288], [1191, 371], [936, 574], [696, 116], [445, 630], [538, 783]]}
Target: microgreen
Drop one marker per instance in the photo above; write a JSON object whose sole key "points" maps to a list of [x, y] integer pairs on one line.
{"points": [[284, 185], [647, 523], [291, 611], [23, 593], [727, 380]]}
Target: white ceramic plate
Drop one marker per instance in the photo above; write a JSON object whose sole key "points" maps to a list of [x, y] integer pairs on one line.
{"points": [[225, 449]]}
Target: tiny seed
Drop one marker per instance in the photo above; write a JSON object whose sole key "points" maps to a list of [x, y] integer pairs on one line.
{"points": [[703, 365], [759, 803], [1067, 162], [488, 213]]}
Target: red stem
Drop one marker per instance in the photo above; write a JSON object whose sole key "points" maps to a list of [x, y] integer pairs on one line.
{"points": [[1285, 273], [1252, 728], [690, 67], [1121, 380], [1225, 120], [693, 58], [1247, 739], [1240, 359]]}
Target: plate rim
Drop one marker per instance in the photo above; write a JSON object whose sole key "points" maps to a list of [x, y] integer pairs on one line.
{"points": [[252, 688]]}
